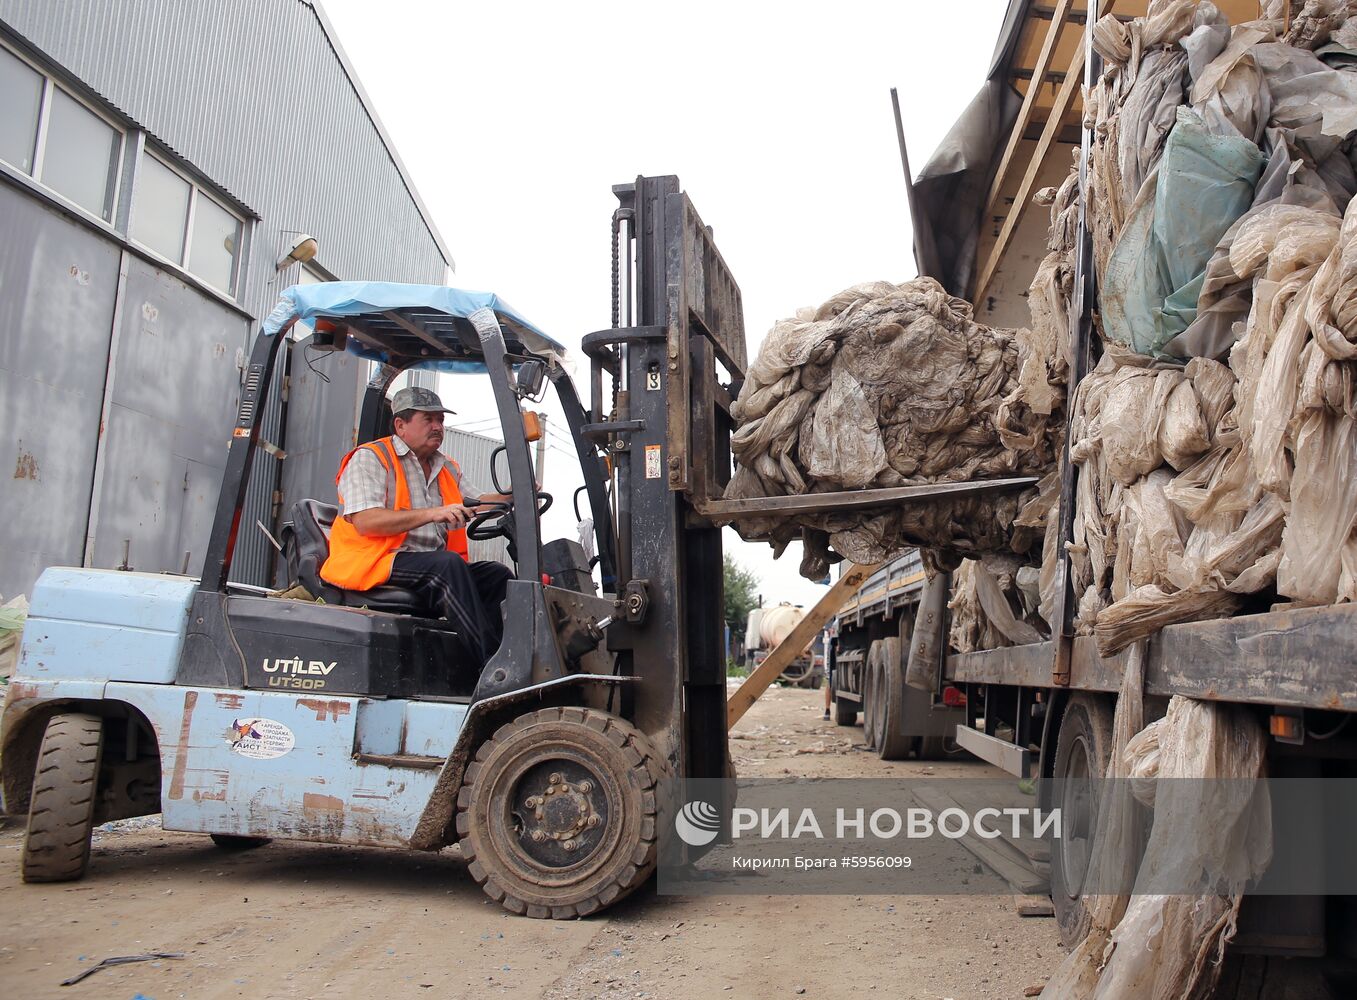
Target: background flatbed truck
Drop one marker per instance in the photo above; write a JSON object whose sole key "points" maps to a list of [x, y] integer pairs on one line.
{"points": [[1045, 710]]}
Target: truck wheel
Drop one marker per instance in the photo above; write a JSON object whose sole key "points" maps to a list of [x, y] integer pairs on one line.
{"points": [[234, 842], [870, 701], [556, 815], [892, 743], [815, 681], [934, 747], [1082, 750], [61, 809], [845, 712]]}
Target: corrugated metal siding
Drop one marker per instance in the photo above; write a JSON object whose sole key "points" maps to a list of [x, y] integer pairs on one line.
{"points": [[254, 98], [252, 95], [472, 453]]}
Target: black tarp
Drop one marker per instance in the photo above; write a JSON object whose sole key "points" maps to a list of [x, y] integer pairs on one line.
{"points": [[952, 186]]}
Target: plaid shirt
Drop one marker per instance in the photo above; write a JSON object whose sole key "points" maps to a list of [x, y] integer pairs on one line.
{"points": [[363, 487]]}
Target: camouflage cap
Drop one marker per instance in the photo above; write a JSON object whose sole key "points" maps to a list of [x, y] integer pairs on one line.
{"points": [[416, 398]]}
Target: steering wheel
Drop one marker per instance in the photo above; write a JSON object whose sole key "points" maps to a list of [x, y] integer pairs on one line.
{"points": [[496, 521]]}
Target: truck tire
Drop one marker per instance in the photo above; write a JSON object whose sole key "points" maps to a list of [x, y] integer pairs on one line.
{"points": [[892, 743], [61, 809], [934, 747], [815, 681], [845, 711], [1082, 750], [557, 814], [871, 702]]}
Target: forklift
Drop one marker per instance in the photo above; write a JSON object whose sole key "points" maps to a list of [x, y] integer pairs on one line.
{"points": [[349, 718]]}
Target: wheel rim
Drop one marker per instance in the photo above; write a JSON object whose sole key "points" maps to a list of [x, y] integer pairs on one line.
{"points": [[1079, 811], [558, 814]]}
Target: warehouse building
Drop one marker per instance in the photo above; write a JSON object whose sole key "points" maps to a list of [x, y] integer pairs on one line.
{"points": [[161, 165]]}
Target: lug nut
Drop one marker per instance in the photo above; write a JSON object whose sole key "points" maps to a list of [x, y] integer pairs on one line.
{"points": [[555, 779], [586, 787], [592, 822], [538, 836], [532, 802], [570, 845]]}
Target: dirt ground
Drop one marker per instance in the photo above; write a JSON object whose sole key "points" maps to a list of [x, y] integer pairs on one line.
{"points": [[304, 920]]}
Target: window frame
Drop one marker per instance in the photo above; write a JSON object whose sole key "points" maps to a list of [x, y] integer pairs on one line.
{"points": [[112, 196], [196, 188]]}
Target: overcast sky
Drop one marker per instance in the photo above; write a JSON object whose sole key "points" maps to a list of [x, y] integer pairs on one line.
{"points": [[515, 120]]}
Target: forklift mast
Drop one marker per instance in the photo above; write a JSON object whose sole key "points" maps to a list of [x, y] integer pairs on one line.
{"points": [[675, 366]]}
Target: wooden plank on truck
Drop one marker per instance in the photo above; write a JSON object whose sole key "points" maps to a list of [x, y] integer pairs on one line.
{"points": [[852, 577]]}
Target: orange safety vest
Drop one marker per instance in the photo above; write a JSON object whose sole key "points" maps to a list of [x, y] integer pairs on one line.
{"points": [[361, 562]]}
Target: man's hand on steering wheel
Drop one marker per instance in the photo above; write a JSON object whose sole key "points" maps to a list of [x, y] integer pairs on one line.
{"points": [[494, 518]]}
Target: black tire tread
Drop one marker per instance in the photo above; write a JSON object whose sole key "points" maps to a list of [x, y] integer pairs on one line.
{"points": [[644, 764], [891, 743], [61, 809], [1092, 715]]}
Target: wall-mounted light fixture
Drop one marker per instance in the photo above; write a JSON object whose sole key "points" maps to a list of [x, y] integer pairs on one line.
{"points": [[302, 248]]}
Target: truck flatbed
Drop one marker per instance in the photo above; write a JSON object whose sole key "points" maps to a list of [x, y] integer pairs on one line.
{"points": [[1299, 657]]}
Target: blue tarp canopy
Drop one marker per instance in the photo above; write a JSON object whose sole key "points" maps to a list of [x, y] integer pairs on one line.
{"points": [[424, 326]]}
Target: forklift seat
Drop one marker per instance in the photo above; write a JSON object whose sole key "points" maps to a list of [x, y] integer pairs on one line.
{"points": [[307, 545]]}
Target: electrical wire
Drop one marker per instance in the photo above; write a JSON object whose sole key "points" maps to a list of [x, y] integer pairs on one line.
{"points": [[1331, 733]]}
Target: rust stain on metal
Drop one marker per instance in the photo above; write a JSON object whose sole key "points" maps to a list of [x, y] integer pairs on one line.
{"points": [[311, 802], [1333, 701], [227, 699], [181, 747], [26, 467], [217, 796], [20, 691], [334, 707]]}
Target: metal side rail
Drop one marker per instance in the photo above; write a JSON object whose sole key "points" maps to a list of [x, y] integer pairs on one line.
{"points": [[1014, 759]]}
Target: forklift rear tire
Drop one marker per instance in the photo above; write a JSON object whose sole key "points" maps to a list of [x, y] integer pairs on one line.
{"points": [[61, 808], [557, 814], [1083, 748], [235, 842], [845, 712]]}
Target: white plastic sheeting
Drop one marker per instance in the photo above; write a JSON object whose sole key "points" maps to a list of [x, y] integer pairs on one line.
{"points": [[895, 385]]}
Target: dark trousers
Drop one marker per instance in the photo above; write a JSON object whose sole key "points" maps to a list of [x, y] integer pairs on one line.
{"points": [[469, 595]]}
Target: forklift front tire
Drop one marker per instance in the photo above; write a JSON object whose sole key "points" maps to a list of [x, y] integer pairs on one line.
{"points": [[557, 814], [61, 808]]}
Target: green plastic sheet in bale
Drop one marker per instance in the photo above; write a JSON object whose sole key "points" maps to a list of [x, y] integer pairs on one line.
{"points": [[1202, 185]]}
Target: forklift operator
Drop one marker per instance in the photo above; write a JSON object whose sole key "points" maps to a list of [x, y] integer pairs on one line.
{"points": [[405, 510]]}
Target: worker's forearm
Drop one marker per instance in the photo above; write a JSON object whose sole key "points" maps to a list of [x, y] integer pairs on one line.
{"points": [[384, 521]]}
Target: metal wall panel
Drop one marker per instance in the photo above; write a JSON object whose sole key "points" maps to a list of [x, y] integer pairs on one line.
{"points": [[253, 95], [472, 454], [231, 89], [57, 287], [176, 384]]}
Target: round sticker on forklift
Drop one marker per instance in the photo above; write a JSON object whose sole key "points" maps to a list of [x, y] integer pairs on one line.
{"points": [[260, 739]]}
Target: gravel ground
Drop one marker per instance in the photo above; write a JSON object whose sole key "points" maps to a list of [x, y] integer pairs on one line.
{"points": [[304, 920]]}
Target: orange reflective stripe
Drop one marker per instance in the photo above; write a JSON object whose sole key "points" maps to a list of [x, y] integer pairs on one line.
{"points": [[452, 493], [361, 562]]}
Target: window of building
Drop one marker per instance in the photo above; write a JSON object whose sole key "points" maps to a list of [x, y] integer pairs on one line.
{"points": [[59, 142], [184, 224], [22, 90]]}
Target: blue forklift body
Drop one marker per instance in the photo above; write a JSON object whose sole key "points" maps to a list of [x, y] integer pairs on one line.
{"points": [[295, 764]]}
